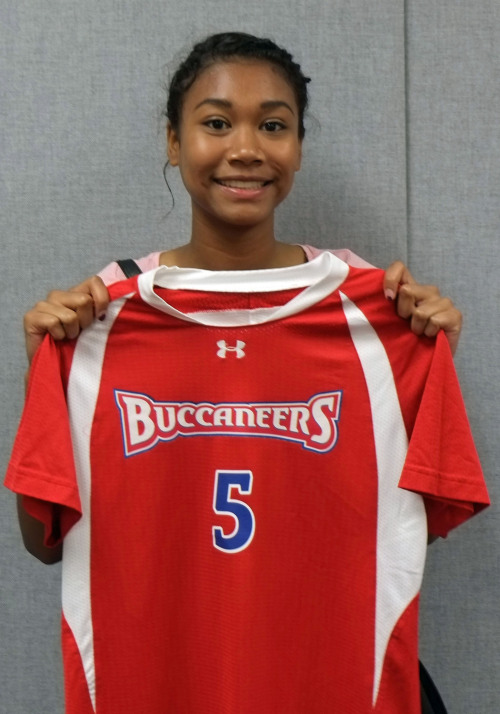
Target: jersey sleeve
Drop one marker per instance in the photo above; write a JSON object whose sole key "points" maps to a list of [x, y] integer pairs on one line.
{"points": [[442, 462], [41, 468]]}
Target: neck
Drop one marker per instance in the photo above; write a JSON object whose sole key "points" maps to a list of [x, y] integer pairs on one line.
{"points": [[237, 248]]}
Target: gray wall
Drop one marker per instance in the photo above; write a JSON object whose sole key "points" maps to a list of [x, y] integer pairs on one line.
{"points": [[402, 159]]}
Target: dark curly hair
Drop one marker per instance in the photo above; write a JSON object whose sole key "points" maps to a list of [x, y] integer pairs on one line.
{"points": [[225, 46]]}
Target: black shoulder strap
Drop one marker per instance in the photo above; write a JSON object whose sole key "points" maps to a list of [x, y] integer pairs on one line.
{"points": [[129, 267], [431, 699]]}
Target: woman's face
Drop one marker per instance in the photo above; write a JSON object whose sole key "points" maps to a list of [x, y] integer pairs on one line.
{"points": [[237, 146]]}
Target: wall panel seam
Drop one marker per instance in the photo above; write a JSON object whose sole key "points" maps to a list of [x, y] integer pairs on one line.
{"points": [[406, 81]]}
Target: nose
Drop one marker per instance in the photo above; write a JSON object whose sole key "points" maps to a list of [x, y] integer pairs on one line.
{"points": [[245, 146]]}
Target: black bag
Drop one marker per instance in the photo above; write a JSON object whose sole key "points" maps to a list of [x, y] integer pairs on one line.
{"points": [[431, 699]]}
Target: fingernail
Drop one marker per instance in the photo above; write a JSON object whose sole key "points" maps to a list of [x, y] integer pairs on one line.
{"points": [[101, 316], [389, 294]]}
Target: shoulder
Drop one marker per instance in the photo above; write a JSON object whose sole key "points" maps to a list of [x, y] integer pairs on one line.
{"points": [[348, 256], [112, 272]]}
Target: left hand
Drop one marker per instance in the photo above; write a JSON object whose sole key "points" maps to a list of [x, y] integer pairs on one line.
{"points": [[423, 305]]}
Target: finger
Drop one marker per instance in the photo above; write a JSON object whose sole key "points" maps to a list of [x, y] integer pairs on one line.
{"points": [[435, 315], [33, 341], [435, 310], [97, 290], [75, 311], [71, 299], [37, 323], [396, 274], [450, 321], [412, 295], [424, 324], [57, 320], [420, 292], [65, 313]]}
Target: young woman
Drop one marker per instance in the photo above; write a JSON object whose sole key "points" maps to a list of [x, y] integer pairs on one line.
{"points": [[246, 527], [233, 225]]}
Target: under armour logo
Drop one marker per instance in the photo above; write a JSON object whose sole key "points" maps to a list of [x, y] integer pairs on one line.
{"points": [[224, 348]]}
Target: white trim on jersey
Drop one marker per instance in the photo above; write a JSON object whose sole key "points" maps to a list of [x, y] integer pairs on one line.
{"points": [[83, 389], [401, 522], [319, 278]]}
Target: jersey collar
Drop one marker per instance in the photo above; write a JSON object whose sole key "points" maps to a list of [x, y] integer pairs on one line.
{"points": [[318, 278]]}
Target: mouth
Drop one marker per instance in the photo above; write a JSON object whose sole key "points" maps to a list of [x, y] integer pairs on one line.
{"points": [[243, 183]]}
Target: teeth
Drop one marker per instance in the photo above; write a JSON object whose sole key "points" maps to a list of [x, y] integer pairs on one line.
{"points": [[243, 184]]}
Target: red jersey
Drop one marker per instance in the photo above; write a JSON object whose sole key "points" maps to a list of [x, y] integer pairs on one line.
{"points": [[247, 465]]}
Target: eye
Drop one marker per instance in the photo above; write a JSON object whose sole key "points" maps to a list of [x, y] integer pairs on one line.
{"points": [[273, 126], [216, 124]]}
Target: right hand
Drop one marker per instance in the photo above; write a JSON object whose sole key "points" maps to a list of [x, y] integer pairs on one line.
{"points": [[64, 313], [423, 305]]}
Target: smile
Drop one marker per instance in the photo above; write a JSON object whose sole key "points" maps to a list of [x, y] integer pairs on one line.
{"points": [[238, 183]]}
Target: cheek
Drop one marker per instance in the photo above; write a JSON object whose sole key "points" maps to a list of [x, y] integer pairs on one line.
{"points": [[290, 165], [200, 151], [288, 157], [197, 164]]}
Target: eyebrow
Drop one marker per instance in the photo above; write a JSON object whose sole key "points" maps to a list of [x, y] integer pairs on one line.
{"points": [[226, 104]]}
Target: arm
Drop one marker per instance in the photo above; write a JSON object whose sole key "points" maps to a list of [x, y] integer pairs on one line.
{"points": [[32, 531], [63, 314], [423, 305]]}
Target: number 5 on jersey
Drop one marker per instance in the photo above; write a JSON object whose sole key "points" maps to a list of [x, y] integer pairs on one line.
{"points": [[224, 504]]}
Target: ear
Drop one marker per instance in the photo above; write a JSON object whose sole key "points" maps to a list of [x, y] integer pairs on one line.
{"points": [[172, 145]]}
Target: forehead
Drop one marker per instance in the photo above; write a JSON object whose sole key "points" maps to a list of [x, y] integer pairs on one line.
{"points": [[241, 81]]}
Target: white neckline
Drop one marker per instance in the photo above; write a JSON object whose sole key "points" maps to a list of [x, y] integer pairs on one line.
{"points": [[319, 278]]}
